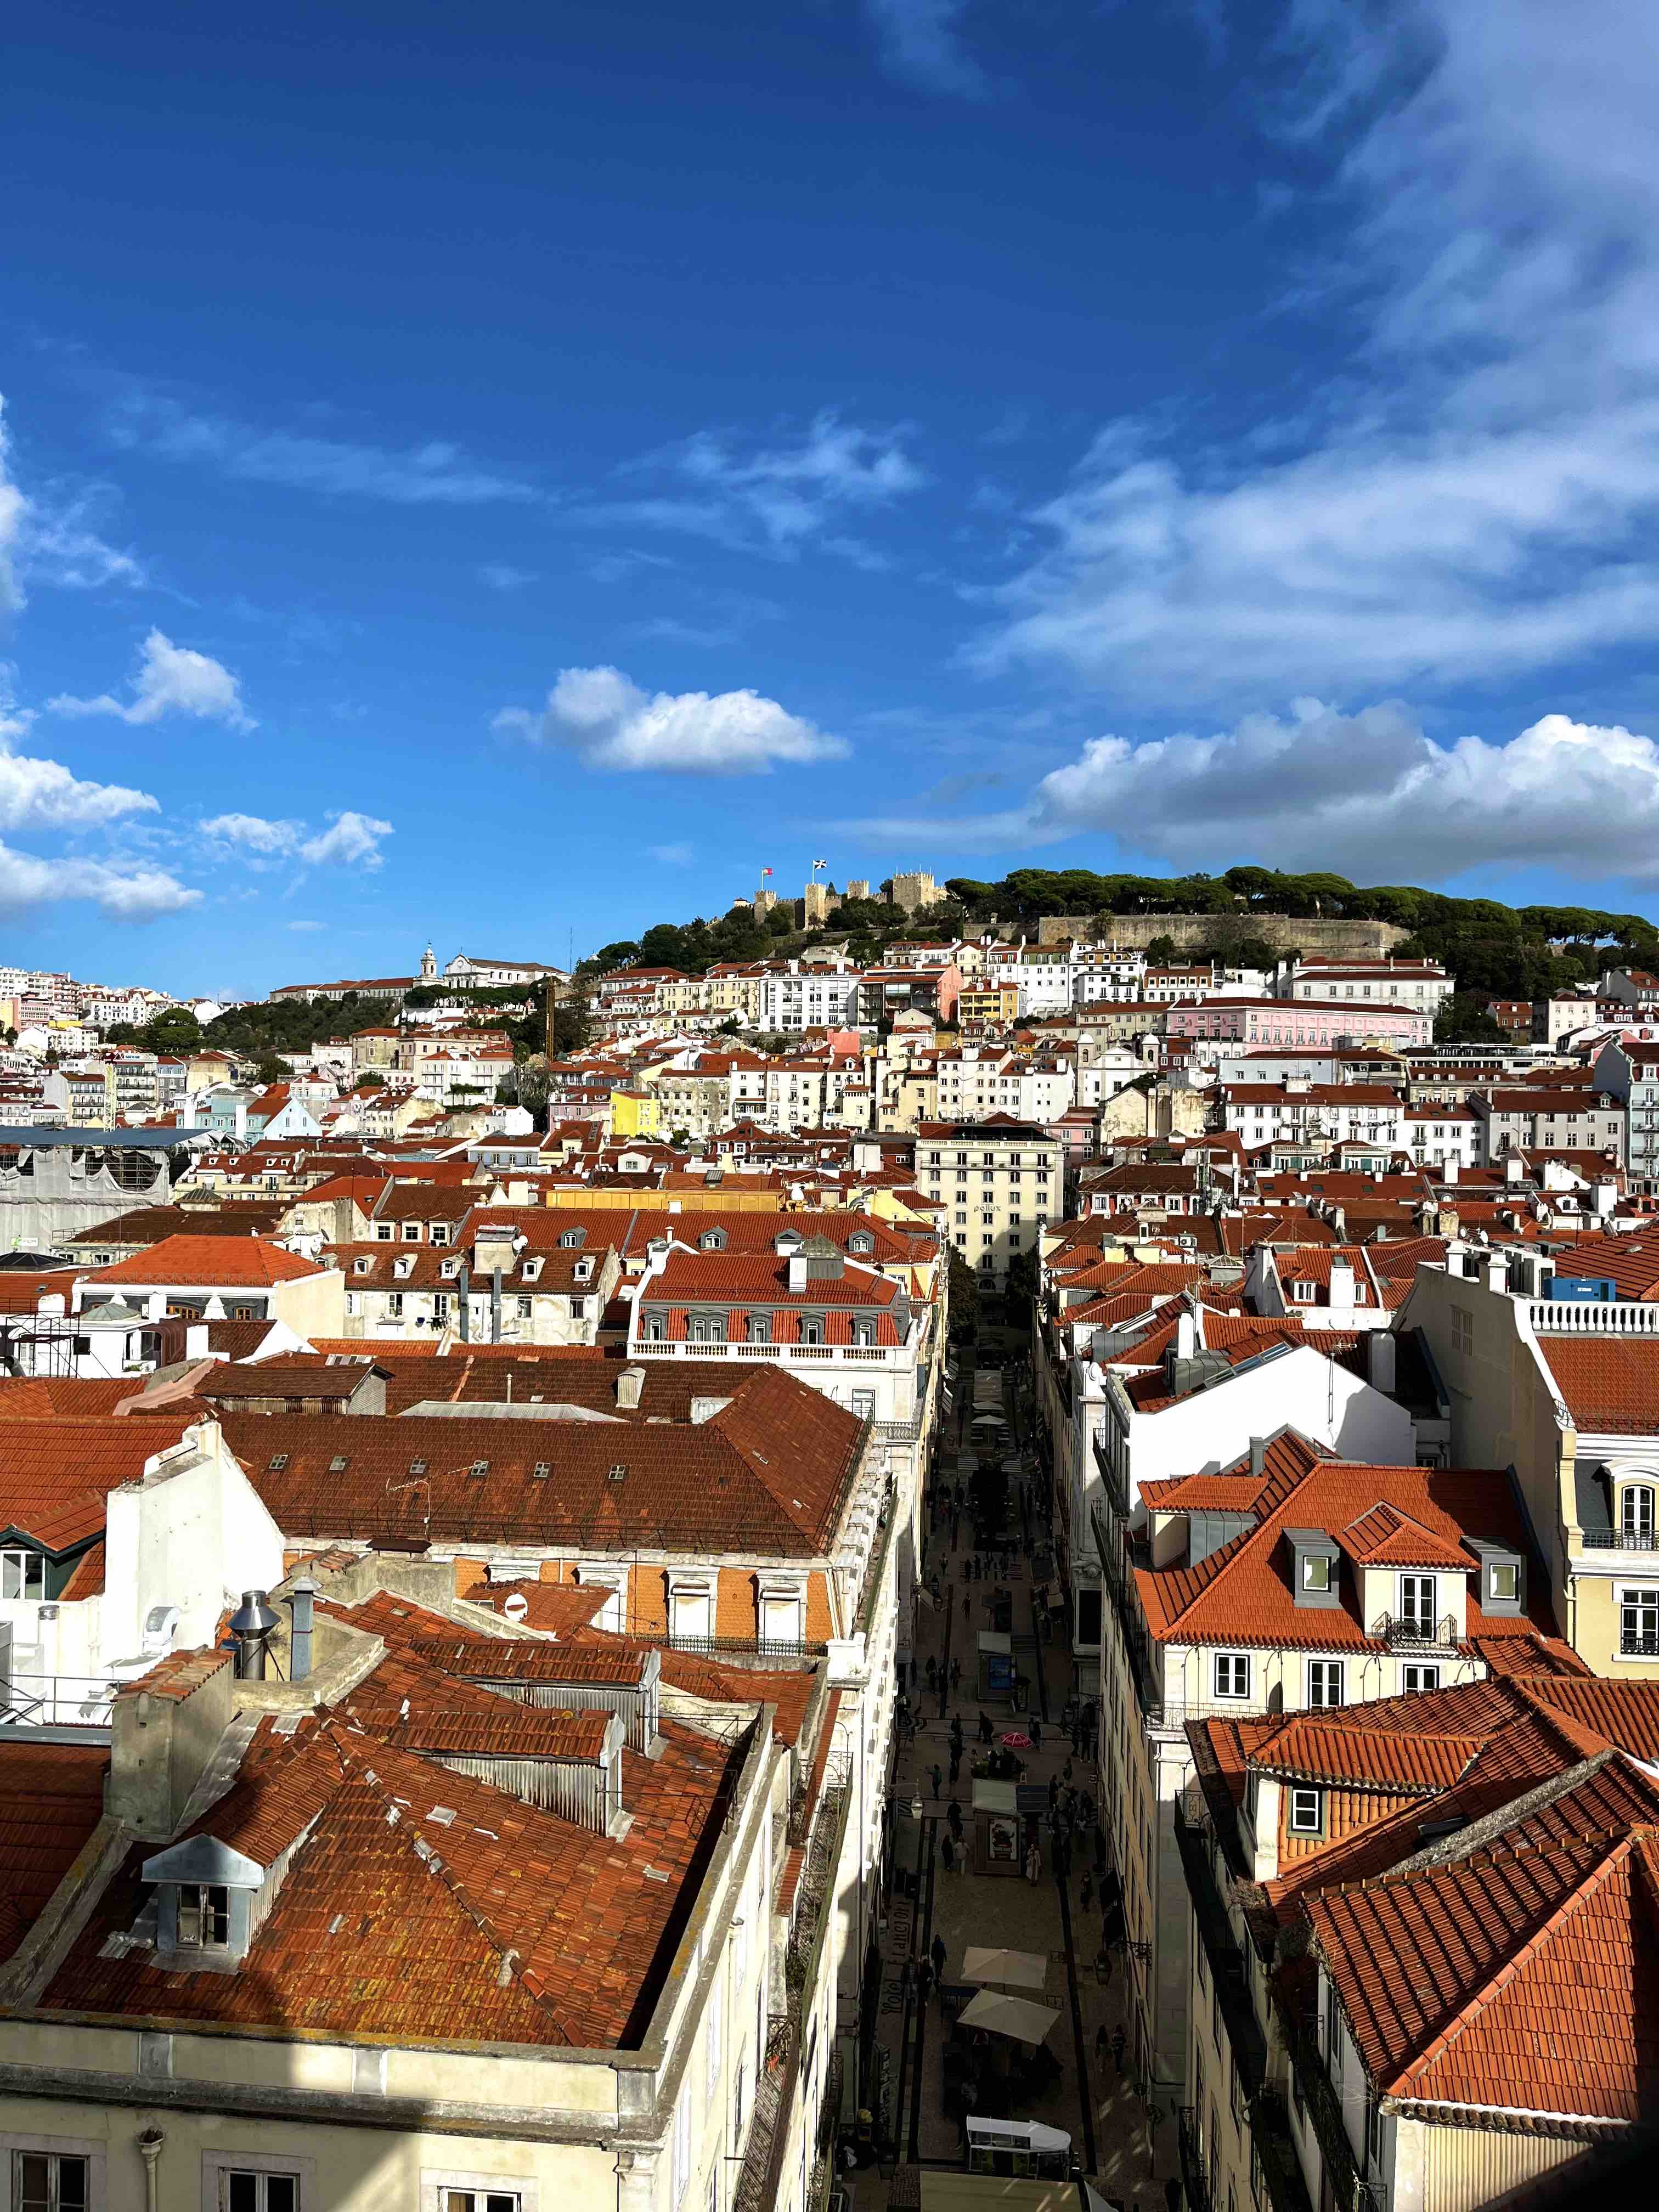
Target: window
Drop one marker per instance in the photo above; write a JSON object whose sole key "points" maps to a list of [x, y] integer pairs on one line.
{"points": [[49, 2181], [203, 1916], [1635, 1516], [1504, 1580], [864, 1405], [1462, 1324], [1420, 1678], [1638, 1623], [22, 1574], [383, 1232], [1416, 1602], [1315, 1572], [1324, 1682], [811, 1329], [1233, 1674], [1307, 1812]]}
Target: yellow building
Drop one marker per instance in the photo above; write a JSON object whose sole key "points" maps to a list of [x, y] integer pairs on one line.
{"points": [[635, 1114]]}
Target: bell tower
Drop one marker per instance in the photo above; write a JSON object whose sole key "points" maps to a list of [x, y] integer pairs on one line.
{"points": [[428, 966]]}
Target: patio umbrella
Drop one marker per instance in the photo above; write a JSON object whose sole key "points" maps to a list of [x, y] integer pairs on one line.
{"points": [[1015, 1741], [1016, 2017], [1026, 1970]]}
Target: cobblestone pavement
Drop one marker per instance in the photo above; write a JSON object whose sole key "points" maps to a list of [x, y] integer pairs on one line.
{"points": [[1093, 2101]]}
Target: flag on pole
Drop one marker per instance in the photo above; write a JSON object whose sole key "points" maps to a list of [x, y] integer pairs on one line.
{"points": [[817, 865], [765, 871]]}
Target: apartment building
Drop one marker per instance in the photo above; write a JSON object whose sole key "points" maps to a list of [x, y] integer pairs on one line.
{"points": [[797, 997], [999, 1182], [1285, 1581], [1409, 1922], [975, 1082], [1302, 1112], [1549, 1364], [1557, 1118], [1259, 1023], [1423, 984]]}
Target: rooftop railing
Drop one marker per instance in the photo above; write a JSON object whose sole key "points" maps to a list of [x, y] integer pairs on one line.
{"points": [[1593, 1317]]}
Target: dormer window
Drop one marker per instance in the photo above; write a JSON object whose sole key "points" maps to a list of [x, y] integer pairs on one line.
{"points": [[712, 1240], [404, 1268], [811, 1329], [203, 1916], [361, 1267], [412, 1232], [1636, 1516], [1315, 1573], [760, 1328], [864, 1332], [581, 1272], [22, 1574], [861, 1241], [439, 1232], [1303, 1291], [383, 1232]]}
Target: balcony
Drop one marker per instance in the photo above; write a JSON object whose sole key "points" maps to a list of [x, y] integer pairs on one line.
{"points": [[1116, 1487], [1115, 1573], [1620, 1539], [1349, 2189], [1593, 1317], [1194, 2178], [1407, 1631], [1222, 1952]]}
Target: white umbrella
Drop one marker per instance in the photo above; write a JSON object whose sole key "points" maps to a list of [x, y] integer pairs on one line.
{"points": [[1026, 1970], [1016, 2017]]}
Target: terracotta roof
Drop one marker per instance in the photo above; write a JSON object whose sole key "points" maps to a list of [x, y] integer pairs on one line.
{"points": [[1386, 1537], [51, 1798], [56, 1473], [1522, 1979], [1610, 1383], [205, 1262], [1633, 1261], [765, 1475], [1241, 1594]]}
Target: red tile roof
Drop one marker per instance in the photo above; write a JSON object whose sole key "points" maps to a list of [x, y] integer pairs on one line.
{"points": [[1610, 1383], [205, 1263], [51, 1798]]}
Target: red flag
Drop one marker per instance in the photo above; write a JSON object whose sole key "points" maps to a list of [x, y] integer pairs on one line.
{"points": [[765, 871]]}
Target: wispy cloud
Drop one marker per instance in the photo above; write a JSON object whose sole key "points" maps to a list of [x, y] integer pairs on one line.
{"points": [[1477, 498], [48, 536], [920, 42], [171, 679], [671, 856], [798, 493], [433, 473], [603, 716], [502, 577], [350, 840]]}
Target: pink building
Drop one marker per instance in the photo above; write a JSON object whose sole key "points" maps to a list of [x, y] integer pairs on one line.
{"points": [[1299, 1022]]}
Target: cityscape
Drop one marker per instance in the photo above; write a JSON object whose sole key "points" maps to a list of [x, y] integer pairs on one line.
{"points": [[943, 1496]]}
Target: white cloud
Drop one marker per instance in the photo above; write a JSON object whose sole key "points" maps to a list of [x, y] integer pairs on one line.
{"points": [[501, 576], [306, 929], [920, 42], [48, 535], [435, 473], [351, 839], [602, 715], [1476, 498], [45, 795], [1367, 793], [777, 498], [671, 856], [171, 679], [125, 894]]}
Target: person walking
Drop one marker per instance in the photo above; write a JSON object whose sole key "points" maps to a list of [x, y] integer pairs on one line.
{"points": [[1033, 1863], [947, 1854], [1119, 2040], [954, 1816], [956, 1765], [955, 1674], [938, 1953], [985, 1728], [1037, 1733], [1102, 2043], [937, 1772], [925, 1984]]}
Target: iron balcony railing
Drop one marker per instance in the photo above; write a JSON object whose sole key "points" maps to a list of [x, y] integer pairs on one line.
{"points": [[1116, 1489], [1408, 1631], [1190, 2136], [1222, 1952], [1350, 2190], [1620, 1539], [757, 1647], [1275, 2155], [1115, 1573], [1632, 1644]]}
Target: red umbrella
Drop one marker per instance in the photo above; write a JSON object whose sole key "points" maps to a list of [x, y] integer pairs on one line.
{"points": [[1015, 1741]]}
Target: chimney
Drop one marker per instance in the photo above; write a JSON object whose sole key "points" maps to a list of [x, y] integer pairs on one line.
{"points": [[1496, 1272], [251, 1625], [302, 1598], [1380, 1350], [1449, 1172], [629, 1384], [1258, 1457], [1513, 1167], [1341, 1286], [1604, 1195], [797, 1272], [1186, 1343]]}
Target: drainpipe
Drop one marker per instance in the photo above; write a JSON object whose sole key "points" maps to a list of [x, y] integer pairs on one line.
{"points": [[495, 1305], [150, 2149]]}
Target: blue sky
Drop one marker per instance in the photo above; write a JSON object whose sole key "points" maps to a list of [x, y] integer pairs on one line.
{"points": [[509, 477]]}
